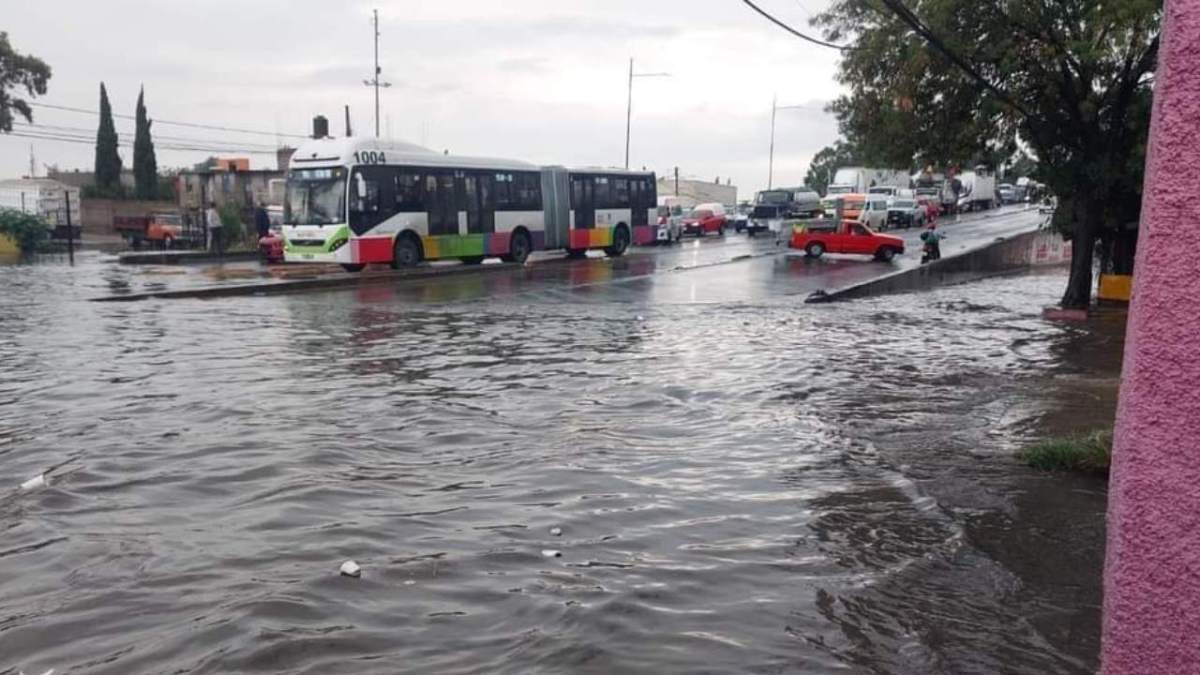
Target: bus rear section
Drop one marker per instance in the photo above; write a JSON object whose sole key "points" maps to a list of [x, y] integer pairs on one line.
{"points": [[599, 209]]}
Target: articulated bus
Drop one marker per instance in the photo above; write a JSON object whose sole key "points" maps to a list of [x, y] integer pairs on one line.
{"points": [[359, 201]]}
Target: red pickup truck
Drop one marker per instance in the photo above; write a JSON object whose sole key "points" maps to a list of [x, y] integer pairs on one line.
{"points": [[816, 238]]}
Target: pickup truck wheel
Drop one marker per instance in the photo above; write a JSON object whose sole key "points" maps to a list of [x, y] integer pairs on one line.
{"points": [[815, 249], [886, 254]]}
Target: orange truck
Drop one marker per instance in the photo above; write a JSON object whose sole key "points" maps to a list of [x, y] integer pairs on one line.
{"points": [[160, 230]]}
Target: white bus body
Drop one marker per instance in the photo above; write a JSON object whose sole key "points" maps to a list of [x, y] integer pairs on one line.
{"points": [[359, 201]]}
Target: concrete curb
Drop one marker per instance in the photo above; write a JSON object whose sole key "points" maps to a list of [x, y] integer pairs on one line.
{"points": [[345, 280], [183, 257], [1003, 255]]}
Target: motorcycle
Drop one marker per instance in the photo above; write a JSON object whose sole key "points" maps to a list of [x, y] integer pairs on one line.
{"points": [[932, 250]]}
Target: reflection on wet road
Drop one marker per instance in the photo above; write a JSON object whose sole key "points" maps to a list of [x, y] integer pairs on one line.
{"points": [[736, 475]]}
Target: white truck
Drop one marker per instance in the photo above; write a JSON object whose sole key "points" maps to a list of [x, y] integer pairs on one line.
{"points": [[858, 180], [978, 190]]}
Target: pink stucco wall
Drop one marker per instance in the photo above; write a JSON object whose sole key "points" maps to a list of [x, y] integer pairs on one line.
{"points": [[1152, 575]]}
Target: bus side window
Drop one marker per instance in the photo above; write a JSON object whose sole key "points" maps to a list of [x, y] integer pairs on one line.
{"points": [[620, 193], [529, 191], [409, 193], [502, 191], [604, 196]]}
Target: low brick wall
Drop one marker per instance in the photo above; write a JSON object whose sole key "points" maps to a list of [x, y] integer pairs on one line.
{"points": [[1031, 249]]}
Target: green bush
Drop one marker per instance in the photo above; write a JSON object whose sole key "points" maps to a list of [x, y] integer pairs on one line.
{"points": [[1087, 454], [233, 230], [30, 232]]}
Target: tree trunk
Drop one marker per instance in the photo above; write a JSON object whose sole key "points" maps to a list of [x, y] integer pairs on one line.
{"points": [[1083, 252]]}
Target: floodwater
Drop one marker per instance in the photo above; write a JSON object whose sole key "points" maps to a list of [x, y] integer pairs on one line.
{"points": [[746, 486]]}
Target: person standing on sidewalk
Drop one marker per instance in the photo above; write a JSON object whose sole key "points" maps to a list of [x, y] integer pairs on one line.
{"points": [[212, 219], [262, 221]]}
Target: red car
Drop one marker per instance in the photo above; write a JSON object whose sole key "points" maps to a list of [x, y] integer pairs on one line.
{"points": [[820, 237], [706, 219]]}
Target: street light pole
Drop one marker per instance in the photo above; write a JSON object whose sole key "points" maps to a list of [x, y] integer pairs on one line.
{"points": [[374, 81], [629, 105], [775, 107], [629, 113], [771, 158]]}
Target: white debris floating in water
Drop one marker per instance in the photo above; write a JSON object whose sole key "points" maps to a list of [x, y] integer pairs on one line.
{"points": [[556, 531], [551, 553], [35, 483], [351, 569]]}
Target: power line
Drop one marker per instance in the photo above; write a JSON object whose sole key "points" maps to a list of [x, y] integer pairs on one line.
{"points": [[177, 124], [51, 128], [64, 138], [795, 32]]}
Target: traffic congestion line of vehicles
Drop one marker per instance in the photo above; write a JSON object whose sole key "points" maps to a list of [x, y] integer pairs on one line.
{"points": [[355, 202]]}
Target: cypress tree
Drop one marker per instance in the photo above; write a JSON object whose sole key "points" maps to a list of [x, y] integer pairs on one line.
{"points": [[108, 161], [145, 166]]}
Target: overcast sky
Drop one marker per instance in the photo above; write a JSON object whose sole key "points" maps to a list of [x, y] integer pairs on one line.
{"points": [[540, 80]]}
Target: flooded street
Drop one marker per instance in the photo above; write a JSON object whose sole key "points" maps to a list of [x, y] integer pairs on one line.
{"points": [[743, 483]]}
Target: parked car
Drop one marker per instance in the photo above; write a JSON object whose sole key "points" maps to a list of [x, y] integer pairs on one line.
{"points": [[1008, 194], [670, 224], [817, 238], [706, 219], [875, 211], [739, 216], [905, 213]]}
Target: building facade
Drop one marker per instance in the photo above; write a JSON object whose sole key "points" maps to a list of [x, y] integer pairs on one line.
{"points": [[41, 197], [694, 192]]}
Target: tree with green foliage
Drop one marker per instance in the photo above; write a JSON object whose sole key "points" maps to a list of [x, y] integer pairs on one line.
{"points": [[145, 166], [108, 160], [17, 72], [960, 82], [29, 232], [826, 162]]}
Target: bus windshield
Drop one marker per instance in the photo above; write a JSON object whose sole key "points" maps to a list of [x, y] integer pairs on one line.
{"points": [[315, 197]]}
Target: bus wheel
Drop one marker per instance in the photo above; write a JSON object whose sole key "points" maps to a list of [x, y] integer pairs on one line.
{"points": [[406, 252], [518, 248], [620, 242], [353, 267]]}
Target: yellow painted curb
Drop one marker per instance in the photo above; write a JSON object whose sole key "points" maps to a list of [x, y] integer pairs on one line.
{"points": [[1117, 287]]}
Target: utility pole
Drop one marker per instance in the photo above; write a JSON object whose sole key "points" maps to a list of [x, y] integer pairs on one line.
{"points": [[629, 106], [374, 81], [349, 131], [70, 231], [676, 181]]}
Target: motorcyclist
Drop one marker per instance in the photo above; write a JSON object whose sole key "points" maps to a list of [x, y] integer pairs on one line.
{"points": [[933, 244]]}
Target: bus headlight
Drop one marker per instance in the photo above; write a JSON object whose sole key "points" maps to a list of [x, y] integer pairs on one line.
{"points": [[338, 244]]}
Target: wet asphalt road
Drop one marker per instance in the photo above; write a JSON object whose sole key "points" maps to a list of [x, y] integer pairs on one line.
{"points": [[660, 463]]}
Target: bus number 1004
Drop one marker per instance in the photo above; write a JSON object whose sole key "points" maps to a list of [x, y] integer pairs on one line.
{"points": [[369, 157]]}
